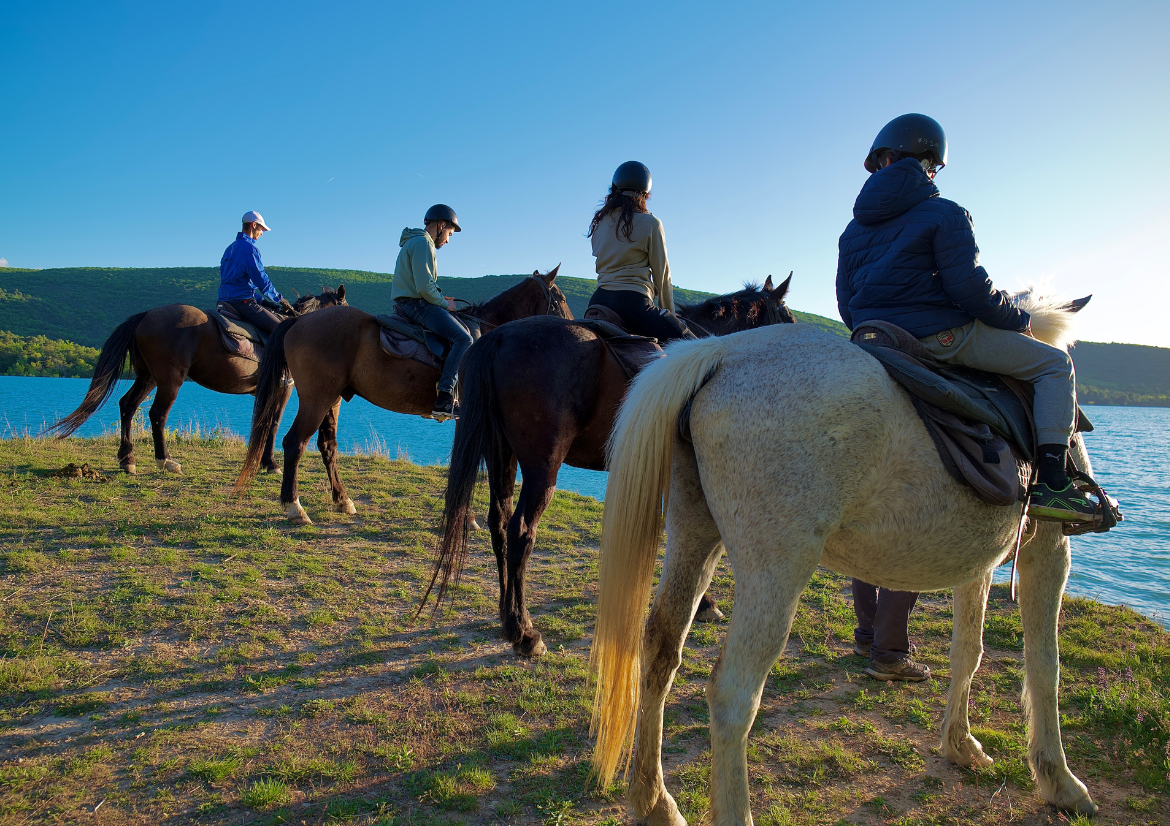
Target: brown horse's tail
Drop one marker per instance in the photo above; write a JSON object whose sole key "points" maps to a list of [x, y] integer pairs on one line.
{"points": [[478, 437], [269, 404], [110, 366]]}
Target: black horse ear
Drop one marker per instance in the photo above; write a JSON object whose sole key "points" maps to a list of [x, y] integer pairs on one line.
{"points": [[768, 283], [341, 291], [550, 276], [782, 290]]}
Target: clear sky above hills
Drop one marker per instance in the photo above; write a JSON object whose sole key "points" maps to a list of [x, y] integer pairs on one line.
{"points": [[138, 135]]}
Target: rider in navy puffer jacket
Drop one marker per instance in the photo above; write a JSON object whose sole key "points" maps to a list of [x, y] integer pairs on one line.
{"points": [[909, 257]]}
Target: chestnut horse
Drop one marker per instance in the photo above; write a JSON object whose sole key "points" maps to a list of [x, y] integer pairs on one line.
{"points": [[543, 393], [335, 355], [166, 346]]}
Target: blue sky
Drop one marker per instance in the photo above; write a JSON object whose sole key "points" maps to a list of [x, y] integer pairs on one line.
{"points": [[138, 135]]}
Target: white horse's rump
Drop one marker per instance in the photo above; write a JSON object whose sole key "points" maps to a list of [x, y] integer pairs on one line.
{"points": [[802, 452]]}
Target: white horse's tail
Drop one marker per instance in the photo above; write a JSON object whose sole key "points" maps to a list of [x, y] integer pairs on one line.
{"points": [[1053, 318], [635, 502]]}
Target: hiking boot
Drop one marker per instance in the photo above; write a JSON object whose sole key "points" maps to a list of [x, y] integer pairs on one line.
{"points": [[1068, 504], [862, 649], [905, 670], [445, 407]]}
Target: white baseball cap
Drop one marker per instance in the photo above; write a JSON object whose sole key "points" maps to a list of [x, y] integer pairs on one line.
{"points": [[249, 217]]}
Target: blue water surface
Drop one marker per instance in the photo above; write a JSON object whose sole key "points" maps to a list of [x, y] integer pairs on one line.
{"points": [[1130, 450]]}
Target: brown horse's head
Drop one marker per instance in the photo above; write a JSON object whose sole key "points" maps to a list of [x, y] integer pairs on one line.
{"points": [[753, 306], [327, 298], [536, 295]]}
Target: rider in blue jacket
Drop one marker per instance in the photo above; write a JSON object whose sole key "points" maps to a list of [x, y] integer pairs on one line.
{"points": [[242, 280], [909, 257]]}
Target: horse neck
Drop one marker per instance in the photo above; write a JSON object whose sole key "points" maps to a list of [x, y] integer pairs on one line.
{"points": [[500, 309], [731, 323]]}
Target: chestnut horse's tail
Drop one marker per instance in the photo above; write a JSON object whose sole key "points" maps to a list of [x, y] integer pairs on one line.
{"points": [[636, 497], [477, 438], [110, 366], [269, 404]]}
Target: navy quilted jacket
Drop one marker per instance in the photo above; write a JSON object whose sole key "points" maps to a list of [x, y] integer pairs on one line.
{"points": [[909, 257]]}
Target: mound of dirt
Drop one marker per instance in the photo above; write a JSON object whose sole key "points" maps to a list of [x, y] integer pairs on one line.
{"points": [[82, 471]]}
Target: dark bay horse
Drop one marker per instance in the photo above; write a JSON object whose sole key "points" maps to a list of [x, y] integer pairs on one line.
{"points": [[166, 346], [334, 355], [541, 393]]}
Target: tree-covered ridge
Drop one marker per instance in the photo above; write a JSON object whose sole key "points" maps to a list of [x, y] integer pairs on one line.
{"points": [[41, 356]]}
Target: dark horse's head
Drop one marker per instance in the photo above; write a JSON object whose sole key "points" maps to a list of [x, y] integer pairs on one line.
{"points": [[753, 306], [535, 295], [327, 298]]}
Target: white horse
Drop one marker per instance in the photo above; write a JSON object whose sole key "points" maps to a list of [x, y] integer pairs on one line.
{"points": [[803, 452]]}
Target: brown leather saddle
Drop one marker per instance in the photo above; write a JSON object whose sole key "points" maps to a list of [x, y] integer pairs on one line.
{"points": [[402, 338], [980, 423], [632, 352], [238, 336]]}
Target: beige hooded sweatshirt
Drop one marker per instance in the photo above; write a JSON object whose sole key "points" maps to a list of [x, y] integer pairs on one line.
{"points": [[638, 265]]}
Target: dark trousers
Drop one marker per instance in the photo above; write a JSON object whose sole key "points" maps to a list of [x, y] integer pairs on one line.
{"points": [[441, 323], [641, 316], [256, 315], [882, 616]]}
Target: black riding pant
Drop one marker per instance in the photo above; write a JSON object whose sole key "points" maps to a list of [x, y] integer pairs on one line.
{"points": [[641, 316], [882, 616], [257, 315]]}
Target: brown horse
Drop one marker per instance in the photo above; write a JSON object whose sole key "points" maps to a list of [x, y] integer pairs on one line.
{"points": [[336, 355], [166, 346], [543, 393]]}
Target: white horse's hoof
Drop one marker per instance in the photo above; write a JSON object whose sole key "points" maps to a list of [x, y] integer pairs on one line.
{"points": [[169, 465], [345, 506], [664, 813], [967, 753], [1068, 794], [296, 514]]}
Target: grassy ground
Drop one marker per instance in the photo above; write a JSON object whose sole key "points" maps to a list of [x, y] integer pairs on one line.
{"points": [[171, 654]]}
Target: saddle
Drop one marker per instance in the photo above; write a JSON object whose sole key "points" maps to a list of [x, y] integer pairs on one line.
{"points": [[980, 423], [632, 352], [238, 336], [403, 338]]}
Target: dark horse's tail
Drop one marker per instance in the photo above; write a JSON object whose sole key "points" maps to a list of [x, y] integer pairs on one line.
{"points": [[478, 436], [269, 402], [111, 363]]}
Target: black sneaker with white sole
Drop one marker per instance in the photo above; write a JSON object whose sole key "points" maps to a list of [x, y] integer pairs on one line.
{"points": [[445, 407]]}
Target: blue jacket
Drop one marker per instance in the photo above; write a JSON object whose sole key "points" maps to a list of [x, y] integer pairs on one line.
{"points": [[241, 275], [909, 257]]}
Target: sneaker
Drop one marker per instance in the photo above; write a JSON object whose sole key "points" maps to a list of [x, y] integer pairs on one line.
{"points": [[861, 649], [445, 407], [905, 670], [1066, 505]]}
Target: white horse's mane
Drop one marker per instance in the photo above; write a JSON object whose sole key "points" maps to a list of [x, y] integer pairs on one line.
{"points": [[1052, 321]]}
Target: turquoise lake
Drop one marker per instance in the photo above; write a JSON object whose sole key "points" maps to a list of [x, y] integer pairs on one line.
{"points": [[1130, 450]]}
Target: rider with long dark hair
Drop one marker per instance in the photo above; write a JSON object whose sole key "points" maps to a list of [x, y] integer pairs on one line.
{"points": [[633, 273]]}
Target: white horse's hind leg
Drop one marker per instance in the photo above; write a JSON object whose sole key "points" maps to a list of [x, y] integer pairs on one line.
{"points": [[693, 549], [1043, 567], [766, 593], [958, 745]]}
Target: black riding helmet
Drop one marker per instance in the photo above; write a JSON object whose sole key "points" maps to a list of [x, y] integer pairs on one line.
{"points": [[442, 212], [912, 134], [633, 176]]}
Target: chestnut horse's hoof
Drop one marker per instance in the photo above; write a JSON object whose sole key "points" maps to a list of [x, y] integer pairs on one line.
{"points": [[473, 524], [296, 514], [708, 612], [530, 646], [130, 468], [344, 506], [169, 465], [273, 471]]}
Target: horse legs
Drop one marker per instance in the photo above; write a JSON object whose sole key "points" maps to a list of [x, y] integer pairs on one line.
{"points": [[501, 472], [958, 745], [1043, 567], [767, 586], [309, 417], [535, 493], [128, 406], [694, 550], [268, 461], [327, 444], [164, 399]]}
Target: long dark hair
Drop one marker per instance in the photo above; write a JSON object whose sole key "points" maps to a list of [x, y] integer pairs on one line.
{"points": [[628, 204]]}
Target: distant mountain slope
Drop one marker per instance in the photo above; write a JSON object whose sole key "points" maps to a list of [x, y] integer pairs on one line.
{"points": [[82, 305]]}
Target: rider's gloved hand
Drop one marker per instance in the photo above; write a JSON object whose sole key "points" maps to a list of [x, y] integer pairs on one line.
{"points": [[288, 308]]}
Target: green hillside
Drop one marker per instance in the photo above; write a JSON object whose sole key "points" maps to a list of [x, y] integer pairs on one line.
{"points": [[48, 313]]}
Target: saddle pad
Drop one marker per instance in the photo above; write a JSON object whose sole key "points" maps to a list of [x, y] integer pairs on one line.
{"points": [[632, 352], [238, 337], [403, 346], [233, 325]]}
